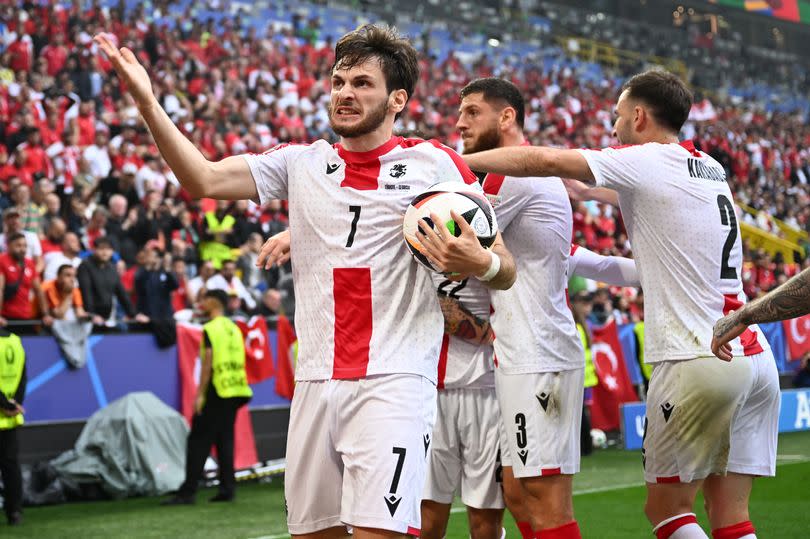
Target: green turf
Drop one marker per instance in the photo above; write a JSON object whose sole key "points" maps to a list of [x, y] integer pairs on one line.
{"points": [[779, 507]]}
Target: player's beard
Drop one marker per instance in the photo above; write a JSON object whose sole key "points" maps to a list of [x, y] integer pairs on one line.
{"points": [[373, 120], [487, 140]]}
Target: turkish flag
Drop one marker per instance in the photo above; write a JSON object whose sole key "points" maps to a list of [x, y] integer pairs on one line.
{"points": [[797, 333], [614, 387], [258, 357], [285, 378], [189, 365]]}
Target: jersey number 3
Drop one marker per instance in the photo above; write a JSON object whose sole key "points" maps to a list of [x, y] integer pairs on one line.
{"points": [[729, 218], [356, 211]]}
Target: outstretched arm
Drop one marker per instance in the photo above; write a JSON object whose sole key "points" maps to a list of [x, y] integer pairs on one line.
{"points": [[229, 179], [461, 323], [790, 300], [532, 161]]}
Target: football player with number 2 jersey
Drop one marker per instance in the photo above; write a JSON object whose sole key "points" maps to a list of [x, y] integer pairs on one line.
{"points": [[368, 323], [710, 424]]}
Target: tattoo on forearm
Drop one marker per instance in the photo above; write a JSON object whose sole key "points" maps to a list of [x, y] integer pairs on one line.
{"points": [[461, 323], [790, 300]]}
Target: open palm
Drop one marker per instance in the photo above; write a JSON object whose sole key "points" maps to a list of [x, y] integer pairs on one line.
{"points": [[129, 69]]}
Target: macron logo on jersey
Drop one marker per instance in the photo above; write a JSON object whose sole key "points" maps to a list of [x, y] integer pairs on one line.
{"points": [[331, 167]]}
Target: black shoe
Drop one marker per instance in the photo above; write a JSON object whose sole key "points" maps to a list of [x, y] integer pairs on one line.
{"points": [[222, 498], [178, 500], [15, 519]]}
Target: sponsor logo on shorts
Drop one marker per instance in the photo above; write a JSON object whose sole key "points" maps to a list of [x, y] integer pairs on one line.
{"points": [[392, 502], [426, 441], [523, 454], [667, 408], [542, 398]]}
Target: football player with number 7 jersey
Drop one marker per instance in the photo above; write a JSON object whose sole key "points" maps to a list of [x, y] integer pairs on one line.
{"points": [[368, 323], [710, 424]]}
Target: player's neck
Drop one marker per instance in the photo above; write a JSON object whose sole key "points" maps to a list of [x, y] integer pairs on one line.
{"points": [[661, 137], [513, 139], [367, 142]]}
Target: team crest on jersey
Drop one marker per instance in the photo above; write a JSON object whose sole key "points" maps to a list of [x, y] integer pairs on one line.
{"points": [[398, 170]]}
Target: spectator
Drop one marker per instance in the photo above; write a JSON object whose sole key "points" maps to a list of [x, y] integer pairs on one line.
{"points": [[252, 276], [99, 283], [18, 280], [244, 226], [147, 227], [53, 209], [97, 155], [217, 226], [12, 224], [122, 184], [63, 298], [119, 224], [30, 215], [154, 284], [54, 234], [180, 296], [197, 285], [271, 303], [186, 237], [68, 254], [96, 227], [227, 280]]}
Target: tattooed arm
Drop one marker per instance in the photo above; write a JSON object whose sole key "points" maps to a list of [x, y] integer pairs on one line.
{"points": [[461, 323], [790, 300]]}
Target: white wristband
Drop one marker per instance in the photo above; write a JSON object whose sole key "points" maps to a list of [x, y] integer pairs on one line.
{"points": [[494, 268]]}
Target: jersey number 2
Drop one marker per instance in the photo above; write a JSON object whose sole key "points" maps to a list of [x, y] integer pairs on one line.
{"points": [[727, 217], [356, 211]]}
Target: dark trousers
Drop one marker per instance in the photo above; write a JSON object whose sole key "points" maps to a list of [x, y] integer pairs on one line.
{"points": [[10, 470], [214, 426]]}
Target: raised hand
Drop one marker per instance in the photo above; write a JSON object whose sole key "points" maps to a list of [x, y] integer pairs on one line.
{"points": [[276, 250], [130, 70]]}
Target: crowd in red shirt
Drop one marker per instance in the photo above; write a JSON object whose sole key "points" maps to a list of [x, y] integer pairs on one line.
{"points": [[68, 129]]}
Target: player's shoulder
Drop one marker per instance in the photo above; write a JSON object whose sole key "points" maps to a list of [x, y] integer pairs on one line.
{"points": [[294, 148]]}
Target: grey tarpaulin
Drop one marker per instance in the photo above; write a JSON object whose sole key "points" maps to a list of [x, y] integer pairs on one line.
{"points": [[136, 446]]}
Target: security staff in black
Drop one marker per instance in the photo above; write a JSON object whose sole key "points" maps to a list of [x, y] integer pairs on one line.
{"points": [[223, 389], [13, 380]]}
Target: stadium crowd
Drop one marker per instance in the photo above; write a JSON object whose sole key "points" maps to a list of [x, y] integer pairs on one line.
{"points": [[84, 186]]}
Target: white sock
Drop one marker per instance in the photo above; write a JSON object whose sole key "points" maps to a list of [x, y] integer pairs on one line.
{"points": [[690, 530]]}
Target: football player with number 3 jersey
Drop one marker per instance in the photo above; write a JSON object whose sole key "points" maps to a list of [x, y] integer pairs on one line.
{"points": [[538, 353], [710, 424], [369, 325]]}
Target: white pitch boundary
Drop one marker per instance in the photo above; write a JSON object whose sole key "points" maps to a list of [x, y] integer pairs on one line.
{"points": [[791, 459]]}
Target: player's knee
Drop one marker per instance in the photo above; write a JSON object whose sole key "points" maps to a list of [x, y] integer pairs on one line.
{"points": [[485, 523]]}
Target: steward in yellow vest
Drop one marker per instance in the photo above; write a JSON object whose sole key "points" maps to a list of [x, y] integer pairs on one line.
{"points": [[13, 381], [223, 389], [216, 227]]}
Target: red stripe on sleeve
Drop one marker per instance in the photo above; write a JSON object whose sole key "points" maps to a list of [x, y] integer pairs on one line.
{"points": [[748, 338], [353, 321], [443, 361]]}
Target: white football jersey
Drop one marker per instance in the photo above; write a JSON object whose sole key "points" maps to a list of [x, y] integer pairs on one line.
{"points": [[534, 328], [463, 364], [363, 305], [679, 214]]}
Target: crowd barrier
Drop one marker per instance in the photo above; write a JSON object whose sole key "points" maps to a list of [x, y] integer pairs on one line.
{"points": [[116, 365]]}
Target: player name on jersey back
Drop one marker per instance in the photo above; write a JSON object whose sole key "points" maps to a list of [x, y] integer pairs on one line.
{"points": [[681, 220], [363, 306]]}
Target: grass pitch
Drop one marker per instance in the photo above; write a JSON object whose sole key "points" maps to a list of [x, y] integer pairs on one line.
{"points": [[609, 497]]}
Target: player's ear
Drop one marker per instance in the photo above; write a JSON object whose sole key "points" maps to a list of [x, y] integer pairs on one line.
{"points": [[397, 100], [507, 117], [640, 118]]}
